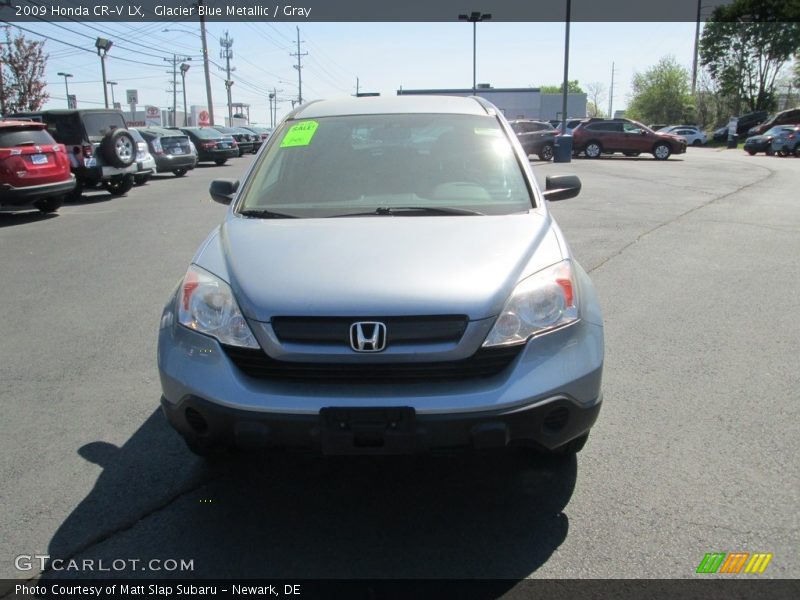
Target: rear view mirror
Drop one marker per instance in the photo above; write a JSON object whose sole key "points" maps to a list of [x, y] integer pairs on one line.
{"points": [[223, 190], [561, 187]]}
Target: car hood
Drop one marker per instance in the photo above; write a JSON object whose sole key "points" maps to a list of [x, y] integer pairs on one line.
{"points": [[380, 266], [670, 136]]}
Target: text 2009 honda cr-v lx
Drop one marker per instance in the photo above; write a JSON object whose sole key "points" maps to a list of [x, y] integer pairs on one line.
{"points": [[387, 279]]}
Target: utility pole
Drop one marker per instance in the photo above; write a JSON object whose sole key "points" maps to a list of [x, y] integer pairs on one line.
{"points": [[611, 94], [299, 66], [209, 100], [696, 42], [356, 87], [175, 60], [184, 68], [226, 53], [274, 117]]}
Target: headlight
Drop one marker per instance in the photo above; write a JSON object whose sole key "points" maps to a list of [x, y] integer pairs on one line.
{"points": [[542, 302], [206, 304]]}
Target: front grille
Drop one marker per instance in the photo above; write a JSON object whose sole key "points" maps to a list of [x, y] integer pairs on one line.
{"points": [[399, 330], [486, 362]]}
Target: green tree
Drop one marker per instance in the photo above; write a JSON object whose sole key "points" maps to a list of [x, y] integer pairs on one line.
{"points": [[662, 94], [573, 88], [23, 65], [745, 45]]}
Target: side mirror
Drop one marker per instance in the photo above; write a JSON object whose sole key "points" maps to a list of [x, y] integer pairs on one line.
{"points": [[561, 187], [642, 132], [223, 190]]}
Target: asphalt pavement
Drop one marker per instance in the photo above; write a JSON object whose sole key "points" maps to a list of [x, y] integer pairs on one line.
{"points": [[695, 451]]}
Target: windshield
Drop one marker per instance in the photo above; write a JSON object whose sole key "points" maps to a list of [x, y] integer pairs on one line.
{"points": [[335, 166]]}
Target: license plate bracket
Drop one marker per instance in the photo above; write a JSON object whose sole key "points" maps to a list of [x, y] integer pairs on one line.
{"points": [[368, 430]]}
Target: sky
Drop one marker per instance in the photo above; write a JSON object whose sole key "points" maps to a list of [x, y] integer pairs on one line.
{"points": [[383, 56]]}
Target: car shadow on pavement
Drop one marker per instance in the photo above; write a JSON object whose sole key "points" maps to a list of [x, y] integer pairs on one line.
{"points": [[22, 218], [496, 516]]}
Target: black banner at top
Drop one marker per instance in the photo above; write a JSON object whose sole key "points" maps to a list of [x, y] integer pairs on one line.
{"points": [[354, 10]]}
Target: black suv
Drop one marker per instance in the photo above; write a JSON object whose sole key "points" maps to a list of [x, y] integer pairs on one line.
{"points": [[101, 150], [536, 137]]}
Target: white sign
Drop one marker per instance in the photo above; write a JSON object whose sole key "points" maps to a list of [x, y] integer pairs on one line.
{"points": [[152, 116], [732, 126], [133, 96]]}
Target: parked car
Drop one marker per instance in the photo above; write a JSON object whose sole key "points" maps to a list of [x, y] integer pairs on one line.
{"points": [[145, 163], [743, 125], [34, 168], [244, 138], [694, 136], [786, 117], [787, 141], [411, 291], [262, 132], [173, 150], [596, 137], [536, 137], [211, 145], [762, 143], [571, 124], [100, 148]]}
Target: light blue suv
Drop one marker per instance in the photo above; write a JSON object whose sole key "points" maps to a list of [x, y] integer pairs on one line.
{"points": [[387, 280]]}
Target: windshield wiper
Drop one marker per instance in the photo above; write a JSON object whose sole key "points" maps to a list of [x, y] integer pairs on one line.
{"points": [[393, 211], [265, 214]]}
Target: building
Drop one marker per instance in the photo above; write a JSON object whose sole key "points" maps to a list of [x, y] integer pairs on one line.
{"points": [[517, 103]]}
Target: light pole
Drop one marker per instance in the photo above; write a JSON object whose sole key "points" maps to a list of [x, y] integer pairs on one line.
{"points": [[184, 68], [113, 100], [202, 36], [66, 76], [474, 17], [103, 46]]}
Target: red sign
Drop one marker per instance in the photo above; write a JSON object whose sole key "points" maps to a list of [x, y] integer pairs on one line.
{"points": [[202, 119]]}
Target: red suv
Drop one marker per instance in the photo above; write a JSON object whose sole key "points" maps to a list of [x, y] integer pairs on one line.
{"points": [[593, 138], [34, 169]]}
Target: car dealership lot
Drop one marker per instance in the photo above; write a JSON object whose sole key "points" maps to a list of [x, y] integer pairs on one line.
{"points": [[695, 261]]}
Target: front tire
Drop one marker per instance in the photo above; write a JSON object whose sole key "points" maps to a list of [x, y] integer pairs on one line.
{"points": [[179, 172], [141, 179], [546, 153], [661, 151], [593, 150], [221, 161]]}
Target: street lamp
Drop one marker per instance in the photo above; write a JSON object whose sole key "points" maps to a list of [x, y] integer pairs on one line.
{"points": [[66, 85], [113, 100], [202, 36], [184, 68], [474, 17], [103, 46]]}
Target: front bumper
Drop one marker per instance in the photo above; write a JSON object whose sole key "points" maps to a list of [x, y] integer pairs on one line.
{"points": [[560, 371], [380, 430]]}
